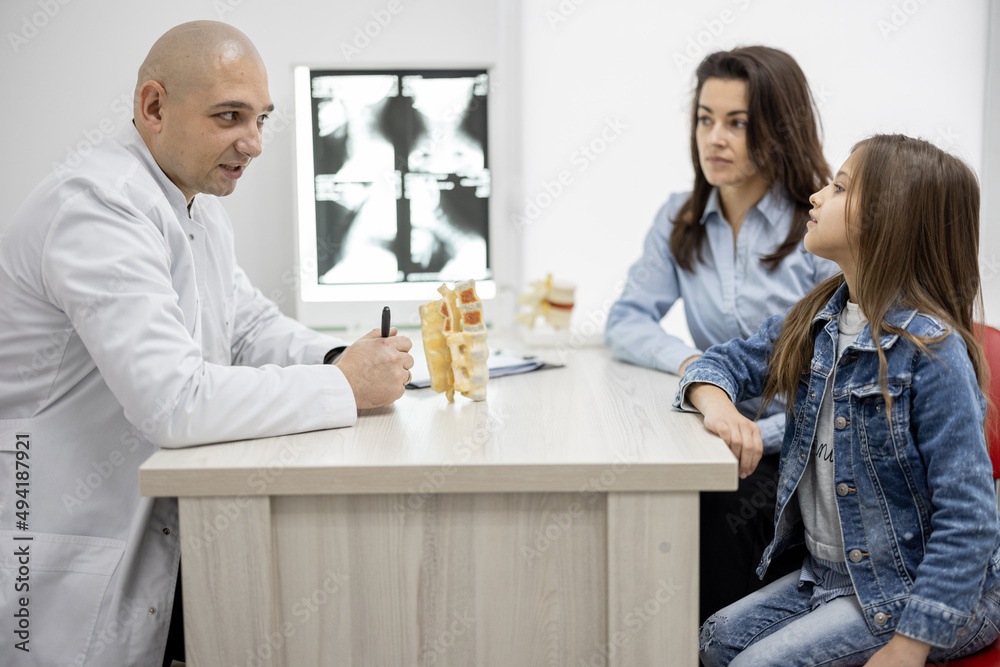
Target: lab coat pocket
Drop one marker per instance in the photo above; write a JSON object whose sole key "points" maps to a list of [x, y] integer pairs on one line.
{"points": [[54, 588]]}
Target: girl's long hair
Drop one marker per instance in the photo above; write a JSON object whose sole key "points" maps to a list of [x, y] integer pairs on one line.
{"points": [[782, 141], [916, 210]]}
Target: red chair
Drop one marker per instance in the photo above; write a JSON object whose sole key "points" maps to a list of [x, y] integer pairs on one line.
{"points": [[991, 346], [989, 657]]}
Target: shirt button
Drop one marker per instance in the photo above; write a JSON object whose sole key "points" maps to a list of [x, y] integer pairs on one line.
{"points": [[842, 489], [191, 236], [881, 619], [840, 423], [166, 531], [855, 555], [152, 610]]}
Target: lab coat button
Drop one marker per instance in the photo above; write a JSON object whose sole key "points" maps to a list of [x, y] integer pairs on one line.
{"points": [[191, 236], [840, 422], [881, 619], [855, 555], [842, 489]]}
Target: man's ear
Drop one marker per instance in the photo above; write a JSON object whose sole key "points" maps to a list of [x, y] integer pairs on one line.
{"points": [[151, 99]]}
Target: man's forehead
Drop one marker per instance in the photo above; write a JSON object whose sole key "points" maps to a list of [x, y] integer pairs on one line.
{"points": [[238, 87]]}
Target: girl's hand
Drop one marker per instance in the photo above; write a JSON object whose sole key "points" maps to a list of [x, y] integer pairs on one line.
{"points": [[901, 651], [722, 418]]}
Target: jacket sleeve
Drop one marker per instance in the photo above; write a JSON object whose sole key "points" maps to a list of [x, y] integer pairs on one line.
{"points": [[106, 266], [263, 335], [738, 367], [633, 330], [946, 421]]}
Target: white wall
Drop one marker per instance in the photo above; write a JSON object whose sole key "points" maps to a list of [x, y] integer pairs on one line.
{"points": [[74, 81], [625, 60], [609, 67], [989, 244]]}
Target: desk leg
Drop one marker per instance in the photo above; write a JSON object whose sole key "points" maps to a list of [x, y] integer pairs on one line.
{"points": [[227, 553], [652, 579]]}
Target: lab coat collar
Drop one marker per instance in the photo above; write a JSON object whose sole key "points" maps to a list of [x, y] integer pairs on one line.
{"points": [[133, 142]]}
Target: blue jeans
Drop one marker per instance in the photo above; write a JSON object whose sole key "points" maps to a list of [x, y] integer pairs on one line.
{"points": [[782, 624]]}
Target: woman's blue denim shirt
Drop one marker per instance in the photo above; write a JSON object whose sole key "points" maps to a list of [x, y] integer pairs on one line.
{"points": [[916, 501]]}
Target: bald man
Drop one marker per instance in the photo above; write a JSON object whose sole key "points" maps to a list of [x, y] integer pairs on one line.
{"points": [[126, 325]]}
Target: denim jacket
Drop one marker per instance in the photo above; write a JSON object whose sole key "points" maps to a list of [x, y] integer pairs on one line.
{"points": [[916, 501]]}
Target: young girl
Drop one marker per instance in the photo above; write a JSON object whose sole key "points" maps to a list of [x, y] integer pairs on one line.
{"points": [[732, 250], [884, 469]]}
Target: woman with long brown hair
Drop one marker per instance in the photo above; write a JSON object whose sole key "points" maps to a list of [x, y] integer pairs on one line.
{"points": [[732, 250], [885, 473]]}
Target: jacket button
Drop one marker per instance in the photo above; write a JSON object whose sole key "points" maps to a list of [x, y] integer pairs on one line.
{"points": [[855, 555], [881, 619], [840, 423], [842, 489], [152, 610], [166, 531]]}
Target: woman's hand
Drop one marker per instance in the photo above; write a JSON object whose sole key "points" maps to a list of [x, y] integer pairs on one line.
{"points": [[684, 364], [901, 651], [722, 418]]}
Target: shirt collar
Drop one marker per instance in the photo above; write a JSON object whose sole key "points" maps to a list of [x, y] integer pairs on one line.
{"points": [[897, 316], [133, 142], [774, 206]]}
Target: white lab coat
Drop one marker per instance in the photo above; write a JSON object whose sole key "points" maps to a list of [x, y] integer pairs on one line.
{"points": [[126, 325]]}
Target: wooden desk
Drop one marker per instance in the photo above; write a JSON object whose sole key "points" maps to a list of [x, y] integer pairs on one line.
{"points": [[554, 524]]}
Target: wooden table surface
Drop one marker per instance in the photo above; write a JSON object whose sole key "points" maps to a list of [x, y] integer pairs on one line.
{"points": [[547, 430]]}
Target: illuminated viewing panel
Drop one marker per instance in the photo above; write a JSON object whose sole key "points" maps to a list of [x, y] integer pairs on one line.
{"points": [[393, 182]]}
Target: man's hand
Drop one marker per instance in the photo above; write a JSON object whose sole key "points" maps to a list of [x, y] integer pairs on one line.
{"points": [[901, 651], [722, 418], [377, 368]]}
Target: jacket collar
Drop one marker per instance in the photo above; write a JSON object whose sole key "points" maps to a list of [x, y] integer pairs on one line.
{"points": [[134, 144], [775, 205], [897, 316]]}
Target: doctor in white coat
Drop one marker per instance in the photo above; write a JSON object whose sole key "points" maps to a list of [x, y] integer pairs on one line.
{"points": [[126, 325]]}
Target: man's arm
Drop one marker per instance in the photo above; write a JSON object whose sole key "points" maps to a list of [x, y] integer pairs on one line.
{"points": [[106, 267], [263, 335]]}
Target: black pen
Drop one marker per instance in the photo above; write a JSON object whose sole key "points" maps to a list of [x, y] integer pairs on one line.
{"points": [[385, 322]]}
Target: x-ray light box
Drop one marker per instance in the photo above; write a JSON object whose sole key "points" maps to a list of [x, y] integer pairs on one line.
{"points": [[394, 184]]}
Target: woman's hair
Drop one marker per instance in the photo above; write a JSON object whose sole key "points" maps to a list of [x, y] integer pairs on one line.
{"points": [[916, 212], [782, 141]]}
